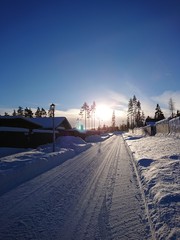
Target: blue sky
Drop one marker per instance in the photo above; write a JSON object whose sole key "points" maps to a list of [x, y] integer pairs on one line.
{"points": [[68, 52]]}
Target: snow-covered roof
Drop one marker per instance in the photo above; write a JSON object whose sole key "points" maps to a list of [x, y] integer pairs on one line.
{"points": [[18, 122], [35, 123], [47, 122]]}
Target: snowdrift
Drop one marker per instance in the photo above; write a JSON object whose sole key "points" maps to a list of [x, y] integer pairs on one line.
{"points": [[18, 168], [158, 162]]}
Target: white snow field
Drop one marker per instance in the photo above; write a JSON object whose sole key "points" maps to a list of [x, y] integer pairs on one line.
{"points": [[93, 195], [94, 190], [157, 160]]}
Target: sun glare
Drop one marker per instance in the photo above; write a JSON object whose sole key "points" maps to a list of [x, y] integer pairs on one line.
{"points": [[103, 112]]}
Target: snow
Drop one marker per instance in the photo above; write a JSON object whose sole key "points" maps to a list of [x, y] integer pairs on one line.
{"points": [[5, 151], [47, 122], [34, 162], [157, 161], [94, 195], [97, 138], [20, 167]]}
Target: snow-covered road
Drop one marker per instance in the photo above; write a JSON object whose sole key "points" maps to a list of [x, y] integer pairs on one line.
{"points": [[94, 195]]}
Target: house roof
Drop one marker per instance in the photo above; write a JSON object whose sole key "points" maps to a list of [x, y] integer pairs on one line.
{"points": [[18, 122], [47, 122], [34, 123]]}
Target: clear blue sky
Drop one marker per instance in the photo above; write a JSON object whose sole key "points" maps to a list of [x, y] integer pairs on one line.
{"points": [[71, 51]]}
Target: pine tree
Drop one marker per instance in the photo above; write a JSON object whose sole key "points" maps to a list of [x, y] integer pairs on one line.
{"points": [[135, 116], [14, 113], [28, 112], [138, 114], [134, 111], [43, 112], [20, 111], [130, 113], [38, 112], [158, 114]]}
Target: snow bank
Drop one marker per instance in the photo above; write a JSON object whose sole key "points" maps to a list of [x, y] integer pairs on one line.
{"points": [[174, 126], [168, 127], [158, 163], [18, 168], [97, 138], [75, 143], [21, 167], [5, 151]]}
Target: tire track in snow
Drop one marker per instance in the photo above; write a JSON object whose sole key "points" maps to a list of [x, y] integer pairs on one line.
{"points": [[52, 190], [91, 196], [127, 214], [91, 199]]}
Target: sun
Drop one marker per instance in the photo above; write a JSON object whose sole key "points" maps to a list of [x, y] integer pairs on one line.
{"points": [[103, 112]]}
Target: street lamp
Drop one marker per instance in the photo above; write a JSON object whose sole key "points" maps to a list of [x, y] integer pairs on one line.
{"points": [[52, 109]]}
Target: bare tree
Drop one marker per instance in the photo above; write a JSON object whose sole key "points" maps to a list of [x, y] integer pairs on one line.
{"points": [[85, 110], [93, 111]]}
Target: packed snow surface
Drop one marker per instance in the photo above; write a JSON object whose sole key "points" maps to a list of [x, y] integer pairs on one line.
{"points": [[93, 195], [101, 192]]}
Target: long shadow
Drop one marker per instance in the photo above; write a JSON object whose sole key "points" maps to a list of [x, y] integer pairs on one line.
{"points": [[134, 138]]}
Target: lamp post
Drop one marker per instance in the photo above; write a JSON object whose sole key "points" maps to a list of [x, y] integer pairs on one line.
{"points": [[52, 108]]}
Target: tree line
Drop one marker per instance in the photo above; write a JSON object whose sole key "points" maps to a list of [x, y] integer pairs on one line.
{"points": [[88, 112], [136, 117], [27, 112]]}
